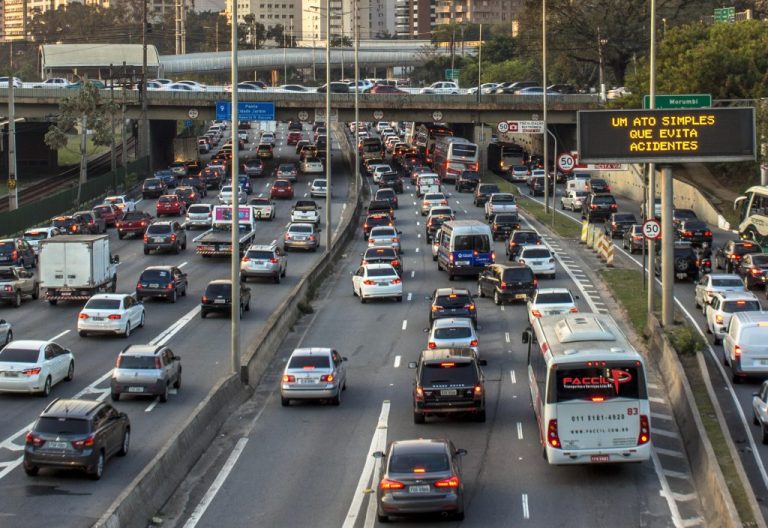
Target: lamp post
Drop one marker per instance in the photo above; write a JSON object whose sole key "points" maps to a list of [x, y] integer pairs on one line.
{"points": [[234, 271], [328, 230], [146, 144], [601, 42], [544, 85], [651, 190], [357, 92]]}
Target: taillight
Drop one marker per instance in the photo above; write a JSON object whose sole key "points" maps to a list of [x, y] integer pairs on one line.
{"points": [[327, 378], [503, 285], [395, 239], [8, 288], [574, 310], [687, 234], [245, 259], [83, 316], [115, 317], [536, 313], [394, 263], [593, 206], [719, 319], [614, 206], [311, 237], [419, 393], [473, 342], [289, 378], [645, 431], [431, 345], [756, 271], [708, 233], [369, 282], [469, 306], [33, 439], [14, 254], [34, 371], [737, 352], [146, 238], [552, 437], [396, 281], [452, 482], [387, 484], [173, 238], [85, 442], [169, 286]]}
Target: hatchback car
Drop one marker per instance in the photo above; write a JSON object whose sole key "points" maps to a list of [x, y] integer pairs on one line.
{"points": [[713, 283], [94, 222], [199, 215], [313, 374], [453, 332], [153, 188], [301, 236], [318, 188], [170, 205], [80, 434], [287, 171], [389, 195], [753, 269], [383, 255], [433, 223], [598, 207], [312, 165], [391, 180], [420, 476], [385, 236], [431, 200], [188, 195], [34, 366], [167, 282], [110, 213], [617, 223], [551, 301], [452, 302], [467, 181], [721, 308], [17, 252], [513, 282], [110, 313], [519, 238], [34, 236], [540, 259], [632, 239], [165, 235], [375, 220], [281, 188], [145, 370], [265, 151], [263, 260], [254, 168], [69, 224], [503, 224], [760, 411], [373, 281], [218, 298], [483, 191]]}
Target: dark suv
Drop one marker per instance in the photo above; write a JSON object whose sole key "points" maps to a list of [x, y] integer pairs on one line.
{"points": [[519, 238], [375, 220], [153, 188], [167, 282], [391, 180], [514, 282], [165, 235], [617, 223], [467, 180], [686, 262], [448, 381], [452, 302], [598, 207], [483, 191], [218, 298], [16, 252], [696, 232], [383, 255], [80, 434], [732, 252], [503, 224]]}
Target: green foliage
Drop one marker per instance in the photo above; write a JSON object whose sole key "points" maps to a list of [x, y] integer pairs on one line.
{"points": [[685, 340], [85, 101]]}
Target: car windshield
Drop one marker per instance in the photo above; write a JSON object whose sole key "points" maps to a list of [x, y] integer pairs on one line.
{"points": [[743, 249], [741, 306], [554, 298], [479, 243], [693, 225], [454, 332], [309, 362], [426, 462], [11, 354], [603, 200], [373, 253], [727, 283], [6, 274], [503, 198], [61, 426], [133, 216], [449, 373], [322, 183], [103, 304], [136, 362], [381, 272], [155, 275], [158, 229], [536, 253], [306, 206], [303, 229], [35, 235]]}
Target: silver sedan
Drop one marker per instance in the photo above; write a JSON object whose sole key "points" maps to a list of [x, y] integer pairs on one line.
{"points": [[453, 332]]}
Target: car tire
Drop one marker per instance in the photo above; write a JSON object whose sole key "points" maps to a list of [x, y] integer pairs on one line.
{"points": [[184, 291], [451, 277], [115, 396], [419, 418], [146, 251], [70, 371], [755, 421], [203, 314], [164, 394], [285, 402], [362, 299], [141, 321], [98, 470], [8, 337], [276, 278], [36, 292], [127, 332], [177, 383], [735, 378], [479, 416], [17, 300], [172, 298], [46, 388], [399, 298], [126, 444], [248, 306], [716, 340], [285, 271], [496, 298], [336, 400], [176, 249], [383, 519]]}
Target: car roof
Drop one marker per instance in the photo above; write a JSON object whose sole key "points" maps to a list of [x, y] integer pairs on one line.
{"points": [[29, 344], [220, 281], [421, 445], [533, 246], [111, 296], [723, 276], [167, 267], [736, 296], [141, 350], [444, 322], [448, 291], [379, 266], [552, 290], [311, 351], [65, 408]]}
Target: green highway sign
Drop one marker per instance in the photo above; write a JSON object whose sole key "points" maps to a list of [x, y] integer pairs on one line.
{"points": [[452, 75], [679, 101], [725, 14]]}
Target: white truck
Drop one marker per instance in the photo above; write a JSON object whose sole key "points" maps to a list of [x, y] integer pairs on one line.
{"points": [[76, 267], [217, 241]]}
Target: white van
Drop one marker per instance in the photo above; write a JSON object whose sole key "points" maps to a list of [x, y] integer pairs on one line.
{"points": [[426, 182], [745, 346], [577, 185], [466, 247]]}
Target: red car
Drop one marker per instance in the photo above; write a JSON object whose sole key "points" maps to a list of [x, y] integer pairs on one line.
{"points": [[170, 204], [294, 137], [134, 222], [281, 189], [110, 213], [383, 88]]}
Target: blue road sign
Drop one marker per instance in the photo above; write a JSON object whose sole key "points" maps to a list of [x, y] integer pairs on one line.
{"points": [[246, 111], [188, 123]]}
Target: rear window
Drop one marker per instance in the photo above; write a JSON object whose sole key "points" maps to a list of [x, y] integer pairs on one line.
{"points": [[36, 235], [309, 362], [603, 200], [596, 384], [517, 275], [386, 232], [727, 283], [479, 243], [384, 193], [103, 209], [624, 218], [259, 255], [151, 181], [449, 374], [195, 209], [504, 198], [155, 275], [761, 260], [133, 216], [136, 362], [286, 168], [158, 229], [103, 304], [381, 272], [259, 201], [62, 426], [379, 253], [6, 247], [695, 225], [554, 298], [536, 253], [525, 238], [168, 199], [214, 290], [454, 300], [6, 274], [280, 183], [377, 220], [505, 219], [409, 463], [453, 332], [488, 189], [300, 229], [19, 355], [741, 306], [743, 249]]}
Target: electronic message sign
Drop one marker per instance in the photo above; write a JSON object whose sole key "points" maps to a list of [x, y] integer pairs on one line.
{"points": [[666, 136]]}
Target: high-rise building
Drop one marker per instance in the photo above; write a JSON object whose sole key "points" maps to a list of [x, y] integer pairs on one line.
{"points": [[382, 17], [477, 11], [16, 14], [270, 13], [414, 18], [2, 21], [342, 20]]}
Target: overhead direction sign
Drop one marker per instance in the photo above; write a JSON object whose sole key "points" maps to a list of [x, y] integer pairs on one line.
{"points": [[666, 136], [679, 101], [246, 111]]}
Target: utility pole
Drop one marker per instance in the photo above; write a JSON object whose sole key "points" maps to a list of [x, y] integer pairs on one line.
{"points": [[13, 182], [145, 142], [328, 230], [83, 156], [183, 27], [217, 34], [600, 43], [480, 66], [234, 271], [356, 36], [112, 153], [544, 98], [651, 191]]}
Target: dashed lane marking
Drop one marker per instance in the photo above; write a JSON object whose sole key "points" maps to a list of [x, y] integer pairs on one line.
{"points": [[668, 452], [661, 416], [397, 361], [526, 512], [409, 296], [656, 399], [62, 334], [506, 337], [519, 430], [512, 376], [413, 274], [405, 324], [664, 432], [676, 474]]}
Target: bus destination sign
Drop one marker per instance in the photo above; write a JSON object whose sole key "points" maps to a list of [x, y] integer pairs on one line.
{"points": [[666, 136]]}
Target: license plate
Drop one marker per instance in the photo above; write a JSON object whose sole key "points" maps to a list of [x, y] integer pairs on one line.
{"points": [[418, 489], [98, 318], [11, 374], [56, 445], [301, 238], [153, 285], [462, 262], [449, 392], [157, 240], [600, 458], [135, 389], [307, 380], [66, 294], [520, 296], [219, 301]]}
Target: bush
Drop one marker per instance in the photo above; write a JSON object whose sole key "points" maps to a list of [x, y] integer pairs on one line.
{"points": [[685, 340], [305, 308]]}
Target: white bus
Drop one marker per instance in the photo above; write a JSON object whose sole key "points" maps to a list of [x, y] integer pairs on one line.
{"points": [[753, 214], [588, 390], [453, 155]]}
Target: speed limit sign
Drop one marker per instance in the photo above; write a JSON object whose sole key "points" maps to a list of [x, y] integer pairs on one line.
{"points": [[502, 127], [565, 162], [651, 229]]}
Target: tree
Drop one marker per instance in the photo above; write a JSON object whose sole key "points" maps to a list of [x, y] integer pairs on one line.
{"points": [[277, 33], [340, 42], [85, 109], [251, 34]]}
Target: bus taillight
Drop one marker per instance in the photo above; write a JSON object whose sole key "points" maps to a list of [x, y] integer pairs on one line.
{"points": [[552, 436], [645, 431]]}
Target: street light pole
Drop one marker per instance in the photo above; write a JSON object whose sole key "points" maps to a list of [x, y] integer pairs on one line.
{"points": [[600, 43], [146, 144], [544, 85], [651, 190], [234, 271], [357, 92], [13, 182], [328, 230]]}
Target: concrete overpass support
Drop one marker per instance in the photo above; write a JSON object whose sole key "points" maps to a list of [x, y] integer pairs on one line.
{"points": [[33, 157]]}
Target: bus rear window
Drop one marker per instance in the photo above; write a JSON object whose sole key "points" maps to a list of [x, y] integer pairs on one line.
{"points": [[596, 384]]}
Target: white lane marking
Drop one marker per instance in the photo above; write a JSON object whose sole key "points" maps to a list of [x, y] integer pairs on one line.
{"points": [[662, 432], [519, 430], [413, 274], [665, 491], [506, 337], [261, 195], [417, 250], [305, 195], [152, 405], [409, 296], [668, 452], [137, 202], [13, 464], [183, 264], [526, 512], [378, 443], [418, 235], [662, 416], [656, 400], [172, 330], [418, 223], [502, 308], [62, 334], [512, 376], [405, 324], [199, 511], [397, 361], [458, 202], [676, 474], [465, 211]]}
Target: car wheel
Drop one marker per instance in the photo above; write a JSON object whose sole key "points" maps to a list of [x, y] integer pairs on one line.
{"points": [[203, 314], [126, 443], [285, 270], [115, 396], [36, 292], [285, 402], [177, 383], [70, 371], [31, 471], [46, 388], [336, 400], [184, 245], [716, 340], [164, 394], [382, 518], [735, 378], [276, 278], [419, 418], [127, 332], [146, 251], [496, 298], [399, 298], [241, 311], [141, 321], [98, 470], [480, 292], [248, 306], [9, 337], [184, 291], [450, 276], [362, 299], [480, 416], [176, 249], [172, 298], [17, 300], [755, 421]]}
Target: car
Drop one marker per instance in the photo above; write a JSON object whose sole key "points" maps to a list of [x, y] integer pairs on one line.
{"points": [[6, 333], [212, 176], [519, 238], [171, 205], [167, 282], [226, 195], [15, 81], [167, 177], [680, 215], [197, 182], [281, 188], [391, 180], [122, 201], [385, 236], [518, 173], [362, 85], [500, 203], [386, 89], [485, 88], [373, 281], [16, 283], [293, 137], [551, 301], [632, 239], [301, 236], [165, 235], [301, 144], [94, 222], [318, 188], [760, 411], [483, 191], [427, 182], [315, 373], [453, 332], [218, 298], [433, 223], [287, 171], [145, 370], [598, 207], [110, 313], [17, 252], [265, 151], [111, 214], [448, 382], [728, 256], [53, 82], [153, 188], [263, 208], [199, 215], [502, 224], [696, 232], [306, 211], [431, 200], [686, 262], [617, 223], [291, 88], [188, 195], [599, 185], [34, 236], [753, 270], [420, 476], [505, 283], [263, 260], [378, 169], [383, 255], [312, 165], [336, 87], [76, 434], [467, 180], [33, 366], [452, 302], [374, 220], [536, 186], [253, 168], [244, 182], [722, 306], [539, 258], [441, 88], [184, 87], [712, 283], [513, 87], [135, 222]]}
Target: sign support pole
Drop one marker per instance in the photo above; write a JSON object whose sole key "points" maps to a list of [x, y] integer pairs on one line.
{"points": [[667, 249], [650, 192], [544, 83], [234, 271]]}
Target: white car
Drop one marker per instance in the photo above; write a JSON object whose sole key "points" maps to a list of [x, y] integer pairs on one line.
{"points": [[53, 82], [111, 313], [384, 236], [431, 200], [442, 88], [378, 170], [722, 307], [551, 301], [713, 283], [34, 236], [442, 210], [305, 211], [540, 259], [225, 195], [362, 86], [122, 201], [573, 200], [268, 137], [34, 366], [425, 182], [196, 86], [760, 411], [16, 82], [199, 215], [485, 88], [312, 166], [381, 126], [377, 280], [291, 88], [319, 188], [263, 208], [519, 173], [453, 332], [181, 87]]}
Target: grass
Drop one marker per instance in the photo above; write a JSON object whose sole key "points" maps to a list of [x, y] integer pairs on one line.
{"points": [[560, 224], [70, 153], [625, 285]]}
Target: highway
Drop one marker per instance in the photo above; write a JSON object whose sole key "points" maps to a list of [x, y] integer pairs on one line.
{"points": [[71, 498], [308, 465]]}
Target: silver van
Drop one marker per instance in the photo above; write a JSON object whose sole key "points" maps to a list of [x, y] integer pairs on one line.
{"points": [[745, 346]]}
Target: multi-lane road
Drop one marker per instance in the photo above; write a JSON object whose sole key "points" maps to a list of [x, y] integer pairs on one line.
{"points": [[69, 499]]}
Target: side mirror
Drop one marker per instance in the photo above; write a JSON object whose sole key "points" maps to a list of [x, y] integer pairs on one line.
{"points": [[377, 454], [461, 452], [115, 259], [411, 364]]}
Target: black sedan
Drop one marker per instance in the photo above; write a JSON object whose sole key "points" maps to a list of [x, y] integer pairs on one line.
{"points": [[618, 223], [632, 240]]}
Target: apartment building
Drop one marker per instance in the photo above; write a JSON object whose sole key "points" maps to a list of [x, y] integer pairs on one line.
{"points": [[414, 18], [369, 13], [477, 11]]}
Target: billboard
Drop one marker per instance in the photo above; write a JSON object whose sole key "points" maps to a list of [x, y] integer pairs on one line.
{"points": [[223, 213]]}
